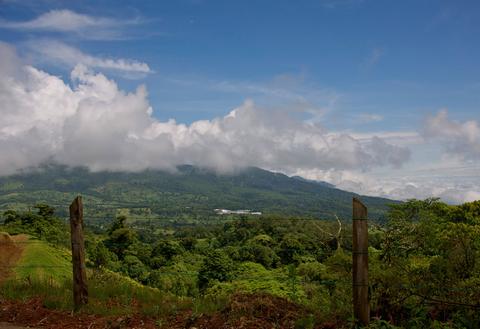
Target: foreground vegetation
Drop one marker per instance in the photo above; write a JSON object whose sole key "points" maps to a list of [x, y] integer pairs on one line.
{"points": [[424, 266]]}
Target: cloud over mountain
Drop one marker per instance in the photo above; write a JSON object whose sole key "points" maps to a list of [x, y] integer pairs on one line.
{"points": [[96, 124]]}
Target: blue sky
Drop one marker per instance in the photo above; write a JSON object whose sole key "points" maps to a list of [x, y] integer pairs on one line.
{"points": [[359, 67]]}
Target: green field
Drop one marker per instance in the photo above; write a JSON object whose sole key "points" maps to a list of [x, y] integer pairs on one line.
{"points": [[40, 260]]}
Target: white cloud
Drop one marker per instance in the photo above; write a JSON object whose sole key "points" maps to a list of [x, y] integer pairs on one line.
{"points": [[454, 184], [58, 52], [67, 21], [459, 139], [96, 124]]}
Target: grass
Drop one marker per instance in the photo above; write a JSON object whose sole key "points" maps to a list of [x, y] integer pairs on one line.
{"points": [[109, 294], [46, 272], [40, 260]]}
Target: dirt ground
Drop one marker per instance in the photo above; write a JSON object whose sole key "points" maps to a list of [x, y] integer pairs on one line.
{"points": [[4, 325], [32, 313], [244, 312], [11, 248]]}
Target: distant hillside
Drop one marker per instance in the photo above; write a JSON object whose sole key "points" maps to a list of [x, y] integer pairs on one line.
{"points": [[190, 193], [313, 181]]}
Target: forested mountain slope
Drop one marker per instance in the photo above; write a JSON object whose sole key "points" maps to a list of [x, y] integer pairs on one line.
{"points": [[190, 192]]}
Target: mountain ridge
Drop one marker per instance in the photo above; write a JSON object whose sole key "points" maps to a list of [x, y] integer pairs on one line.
{"points": [[191, 191]]}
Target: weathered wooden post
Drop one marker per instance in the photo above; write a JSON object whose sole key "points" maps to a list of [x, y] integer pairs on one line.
{"points": [[80, 290], [361, 307]]}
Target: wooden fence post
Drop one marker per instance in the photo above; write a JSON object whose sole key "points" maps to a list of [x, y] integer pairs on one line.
{"points": [[80, 290], [361, 307]]}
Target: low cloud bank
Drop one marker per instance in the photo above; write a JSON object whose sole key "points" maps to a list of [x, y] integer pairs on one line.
{"points": [[452, 185], [94, 123]]}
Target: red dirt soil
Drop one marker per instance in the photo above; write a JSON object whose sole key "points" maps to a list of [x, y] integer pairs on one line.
{"points": [[33, 313], [11, 249], [244, 312], [4, 325]]}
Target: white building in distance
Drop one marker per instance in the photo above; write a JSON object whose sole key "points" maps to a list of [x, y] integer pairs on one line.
{"points": [[236, 212]]}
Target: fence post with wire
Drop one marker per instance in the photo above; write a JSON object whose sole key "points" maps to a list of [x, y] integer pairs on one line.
{"points": [[80, 289], [361, 307]]}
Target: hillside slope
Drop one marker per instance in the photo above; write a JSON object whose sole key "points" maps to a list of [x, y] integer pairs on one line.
{"points": [[188, 192], [23, 257], [42, 261]]}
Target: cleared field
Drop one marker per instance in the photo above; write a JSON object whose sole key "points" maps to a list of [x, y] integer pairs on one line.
{"points": [[42, 261]]}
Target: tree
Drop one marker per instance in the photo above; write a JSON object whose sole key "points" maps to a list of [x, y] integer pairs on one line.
{"points": [[118, 223], [45, 211], [290, 249], [467, 212], [120, 240], [10, 216], [135, 268], [43, 224], [168, 249], [217, 266], [100, 256], [188, 243]]}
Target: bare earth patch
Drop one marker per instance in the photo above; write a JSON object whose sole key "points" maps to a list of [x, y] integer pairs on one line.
{"points": [[11, 248], [4, 325], [244, 311], [32, 313]]}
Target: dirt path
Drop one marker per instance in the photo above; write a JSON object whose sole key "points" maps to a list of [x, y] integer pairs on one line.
{"points": [[11, 248], [243, 311]]}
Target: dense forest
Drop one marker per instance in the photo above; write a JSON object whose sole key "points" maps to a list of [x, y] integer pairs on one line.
{"points": [[424, 262]]}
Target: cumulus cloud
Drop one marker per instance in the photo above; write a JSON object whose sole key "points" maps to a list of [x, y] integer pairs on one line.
{"points": [[59, 52], [67, 21], [94, 123], [459, 139]]}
